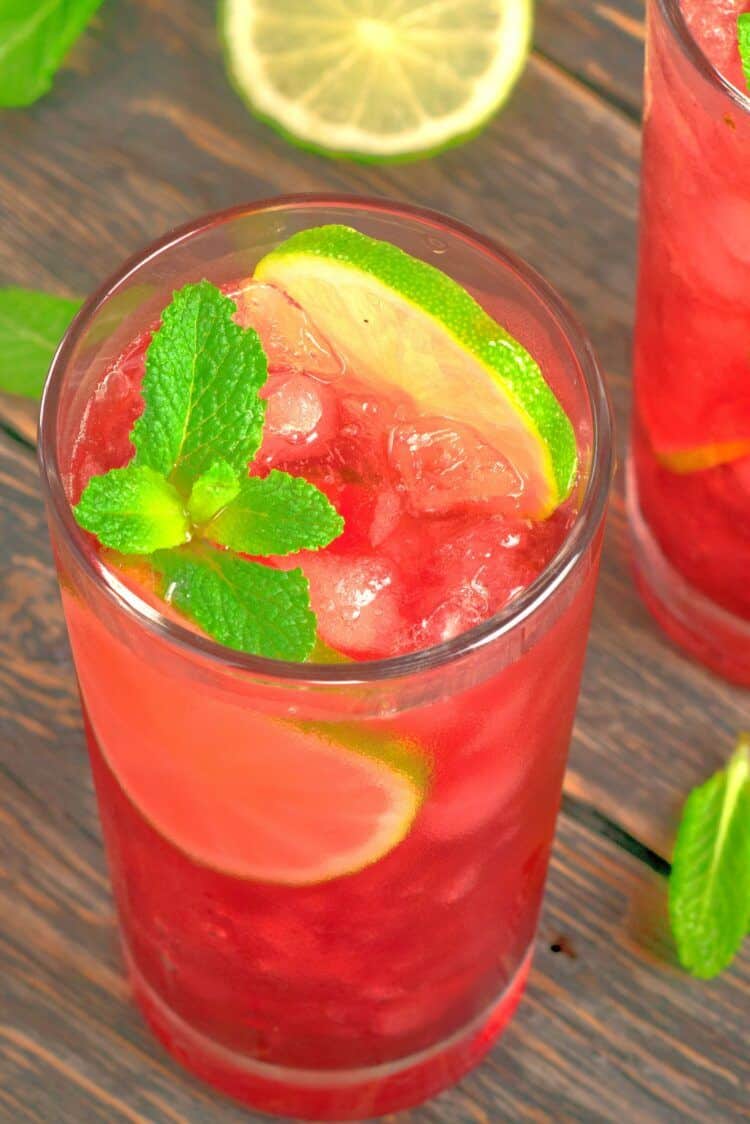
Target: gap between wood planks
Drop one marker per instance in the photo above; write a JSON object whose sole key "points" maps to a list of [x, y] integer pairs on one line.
{"points": [[630, 112], [576, 809]]}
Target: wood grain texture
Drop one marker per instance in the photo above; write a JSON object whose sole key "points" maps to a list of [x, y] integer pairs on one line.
{"points": [[610, 1029], [598, 41], [143, 132]]}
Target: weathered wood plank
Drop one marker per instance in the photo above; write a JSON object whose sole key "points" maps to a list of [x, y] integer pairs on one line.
{"points": [[598, 41], [138, 143], [143, 132], [609, 1031], [610, 1026]]}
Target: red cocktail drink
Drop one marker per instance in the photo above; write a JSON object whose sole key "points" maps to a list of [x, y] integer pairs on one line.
{"points": [[328, 874], [690, 472]]}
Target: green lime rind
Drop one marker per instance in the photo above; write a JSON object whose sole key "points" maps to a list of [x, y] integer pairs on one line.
{"points": [[743, 45], [322, 653], [305, 144], [347, 156], [438, 296], [400, 754]]}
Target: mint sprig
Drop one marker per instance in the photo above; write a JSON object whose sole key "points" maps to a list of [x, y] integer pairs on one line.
{"points": [[242, 604], [186, 501], [31, 327], [133, 510], [743, 42], [203, 374], [277, 514], [35, 36], [212, 491], [709, 887]]}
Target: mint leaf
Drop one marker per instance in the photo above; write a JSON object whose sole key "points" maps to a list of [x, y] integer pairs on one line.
{"points": [[212, 491], [203, 374], [709, 888], [244, 605], [743, 41], [35, 36], [31, 326], [202, 423], [278, 514], [133, 510]]}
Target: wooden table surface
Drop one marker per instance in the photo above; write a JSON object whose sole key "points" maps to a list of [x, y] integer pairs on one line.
{"points": [[142, 132]]}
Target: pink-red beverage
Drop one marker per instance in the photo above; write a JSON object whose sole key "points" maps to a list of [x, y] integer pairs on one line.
{"points": [[328, 875], [689, 489]]}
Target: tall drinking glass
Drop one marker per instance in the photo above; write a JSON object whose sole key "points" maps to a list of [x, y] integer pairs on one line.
{"points": [[359, 993], [689, 474]]}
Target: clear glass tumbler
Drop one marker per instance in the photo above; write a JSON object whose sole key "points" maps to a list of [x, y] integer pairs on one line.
{"points": [[365, 992], [689, 471]]}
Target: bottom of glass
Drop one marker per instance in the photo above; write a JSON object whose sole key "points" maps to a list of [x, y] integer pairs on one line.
{"points": [[325, 1094], [705, 630]]}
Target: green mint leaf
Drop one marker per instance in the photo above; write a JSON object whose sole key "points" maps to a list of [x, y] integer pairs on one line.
{"points": [[743, 41], [35, 36], [277, 514], [244, 605], [212, 491], [709, 888], [203, 374], [31, 326], [133, 510]]}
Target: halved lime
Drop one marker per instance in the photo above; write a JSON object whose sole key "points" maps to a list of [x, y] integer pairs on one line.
{"points": [[376, 79], [398, 320]]}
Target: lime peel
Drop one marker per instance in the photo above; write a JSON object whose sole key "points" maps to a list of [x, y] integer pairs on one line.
{"points": [[429, 336], [398, 86]]}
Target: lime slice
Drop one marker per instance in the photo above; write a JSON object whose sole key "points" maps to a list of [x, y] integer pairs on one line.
{"points": [[285, 805], [684, 461], [399, 320], [376, 80], [253, 796]]}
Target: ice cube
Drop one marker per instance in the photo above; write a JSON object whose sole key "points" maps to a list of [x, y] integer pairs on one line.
{"points": [[362, 441], [444, 465], [479, 570], [385, 517], [458, 613], [485, 790], [356, 601], [371, 512], [715, 27], [290, 339], [301, 417]]}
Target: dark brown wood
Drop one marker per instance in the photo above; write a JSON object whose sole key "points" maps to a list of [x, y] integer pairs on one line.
{"points": [[609, 1025], [143, 132], [598, 41]]}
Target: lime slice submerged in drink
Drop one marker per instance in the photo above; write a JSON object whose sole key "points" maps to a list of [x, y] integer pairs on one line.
{"points": [[376, 81]]}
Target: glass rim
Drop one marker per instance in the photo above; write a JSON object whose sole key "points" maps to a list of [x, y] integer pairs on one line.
{"points": [[671, 11], [502, 624]]}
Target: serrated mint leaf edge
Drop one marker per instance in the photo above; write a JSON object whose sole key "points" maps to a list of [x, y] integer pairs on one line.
{"points": [[167, 443], [113, 523], [26, 351], [743, 43], [260, 498], [690, 917], [30, 28], [179, 569]]}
